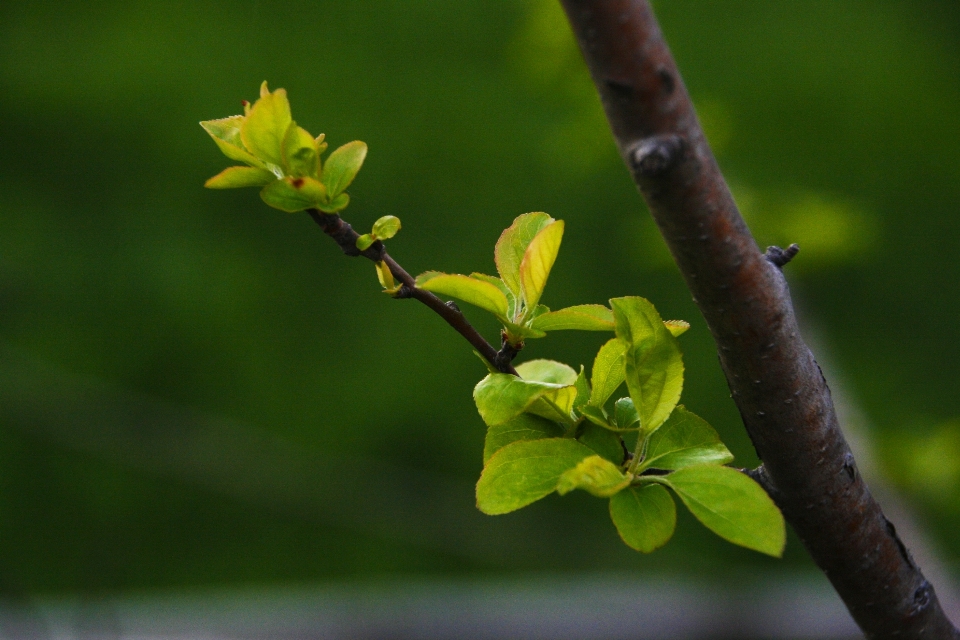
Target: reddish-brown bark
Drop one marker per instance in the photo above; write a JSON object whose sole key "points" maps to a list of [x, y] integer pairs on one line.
{"points": [[776, 383]]}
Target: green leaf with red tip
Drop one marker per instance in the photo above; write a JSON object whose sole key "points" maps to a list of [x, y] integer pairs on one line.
{"points": [[513, 244], [732, 505], [524, 472], [595, 475], [265, 127], [342, 166], [476, 292], [584, 317], [294, 194], [645, 516], [538, 261], [236, 177]]}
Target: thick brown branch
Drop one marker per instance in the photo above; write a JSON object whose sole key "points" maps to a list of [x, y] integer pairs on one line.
{"points": [[778, 387], [344, 235]]}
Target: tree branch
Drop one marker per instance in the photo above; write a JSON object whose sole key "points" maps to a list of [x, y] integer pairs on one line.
{"points": [[783, 399], [344, 235]]}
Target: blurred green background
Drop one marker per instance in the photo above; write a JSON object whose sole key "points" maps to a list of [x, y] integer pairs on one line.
{"points": [[198, 390]]}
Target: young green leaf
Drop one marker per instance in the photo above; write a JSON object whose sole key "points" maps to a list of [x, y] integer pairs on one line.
{"points": [[513, 244], [524, 472], [498, 283], [521, 333], [523, 427], [342, 166], [596, 415], [234, 177], [603, 441], [385, 276], [584, 317], [554, 404], [653, 363], [596, 476], [538, 261], [386, 227], [293, 194], [365, 241], [542, 370], [645, 516], [226, 133], [500, 396], [731, 505], [334, 205], [625, 414], [300, 157], [265, 127], [676, 327], [583, 390], [476, 292], [607, 372], [684, 440]]}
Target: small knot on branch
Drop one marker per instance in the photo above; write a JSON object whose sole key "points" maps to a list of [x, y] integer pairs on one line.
{"points": [[779, 257], [652, 156], [922, 597], [762, 478], [403, 292], [506, 354], [452, 305]]}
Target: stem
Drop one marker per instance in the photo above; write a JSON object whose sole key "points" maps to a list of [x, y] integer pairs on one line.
{"points": [[344, 235], [782, 396], [639, 452]]}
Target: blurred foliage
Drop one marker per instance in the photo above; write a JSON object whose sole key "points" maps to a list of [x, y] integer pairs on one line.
{"points": [[197, 389]]}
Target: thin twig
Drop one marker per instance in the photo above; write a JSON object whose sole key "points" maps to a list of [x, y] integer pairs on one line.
{"points": [[783, 399], [345, 236]]}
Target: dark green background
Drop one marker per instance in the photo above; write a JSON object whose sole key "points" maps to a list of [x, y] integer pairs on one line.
{"points": [[198, 390]]}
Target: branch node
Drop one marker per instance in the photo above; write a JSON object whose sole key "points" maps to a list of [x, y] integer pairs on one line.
{"points": [[779, 257], [453, 305], [653, 156], [761, 477], [403, 292], [506, 354], [850, 465]]}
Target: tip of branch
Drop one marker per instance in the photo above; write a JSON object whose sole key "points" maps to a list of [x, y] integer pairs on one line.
{"points": [[780, 257], [654, 155]]}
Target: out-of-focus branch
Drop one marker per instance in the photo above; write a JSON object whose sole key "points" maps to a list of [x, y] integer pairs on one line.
{"points": [[782, 396]]}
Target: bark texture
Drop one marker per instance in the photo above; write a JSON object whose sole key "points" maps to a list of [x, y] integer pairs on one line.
{"points": [[777, 385]]}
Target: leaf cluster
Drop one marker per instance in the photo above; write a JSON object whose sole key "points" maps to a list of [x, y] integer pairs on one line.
{"points": [[524, 256], [283, 158], [552, 429]]}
